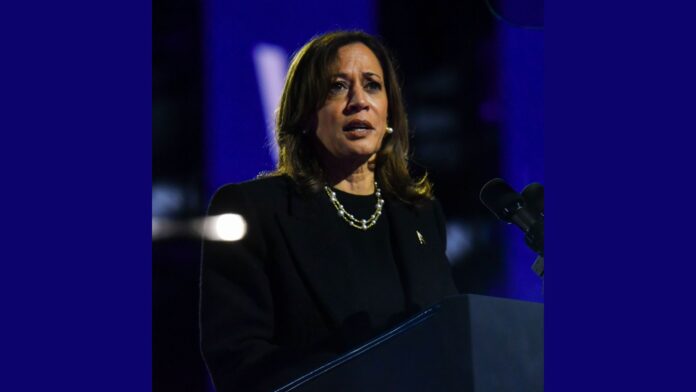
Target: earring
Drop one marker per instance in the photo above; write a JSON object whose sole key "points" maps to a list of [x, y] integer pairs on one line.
{"points": [[304, 131], [390, 130]]}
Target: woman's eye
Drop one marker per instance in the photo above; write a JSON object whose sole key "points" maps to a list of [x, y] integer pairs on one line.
{"points": [[336, 87], [373, 86]]}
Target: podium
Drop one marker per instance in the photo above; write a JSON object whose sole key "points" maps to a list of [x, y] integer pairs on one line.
{"points": [[465, 343]]}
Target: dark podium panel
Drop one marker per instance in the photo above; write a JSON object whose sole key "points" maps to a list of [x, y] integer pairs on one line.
{"points": [[465, 343]]}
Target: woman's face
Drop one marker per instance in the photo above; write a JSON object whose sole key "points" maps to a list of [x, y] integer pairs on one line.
{"points": [[353, 120]]}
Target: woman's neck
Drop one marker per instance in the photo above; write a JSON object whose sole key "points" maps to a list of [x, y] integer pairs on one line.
{"points": [[358, 183], [357, 179]]}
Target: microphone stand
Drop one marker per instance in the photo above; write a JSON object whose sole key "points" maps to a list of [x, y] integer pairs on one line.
{"points": [[534, 238]]}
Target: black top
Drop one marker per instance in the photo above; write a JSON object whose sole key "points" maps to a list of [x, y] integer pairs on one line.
{"points": [[381, 293]]}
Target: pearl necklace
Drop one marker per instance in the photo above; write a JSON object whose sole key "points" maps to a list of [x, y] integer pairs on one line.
{"points": [[362, 224]]}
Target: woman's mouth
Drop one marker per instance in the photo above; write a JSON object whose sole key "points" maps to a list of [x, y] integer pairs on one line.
{"points": [[357, 128]]}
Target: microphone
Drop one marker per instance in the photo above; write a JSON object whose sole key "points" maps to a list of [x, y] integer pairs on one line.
{"points": [[533, 195], [510, 206]]}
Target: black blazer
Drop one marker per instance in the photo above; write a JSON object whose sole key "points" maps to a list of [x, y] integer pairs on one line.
{"points": [[279, 302]]}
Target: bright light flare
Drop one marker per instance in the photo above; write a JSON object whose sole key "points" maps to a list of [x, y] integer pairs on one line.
{"points": [[225, 227]]}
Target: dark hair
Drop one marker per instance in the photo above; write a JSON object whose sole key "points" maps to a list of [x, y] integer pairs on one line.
{"points": [[305, 91]]}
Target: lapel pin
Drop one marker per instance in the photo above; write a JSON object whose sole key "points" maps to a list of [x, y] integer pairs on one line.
{"points": [[421, 239]]}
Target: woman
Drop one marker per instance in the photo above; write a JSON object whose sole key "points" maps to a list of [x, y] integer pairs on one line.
{"points": [[341, 244]]}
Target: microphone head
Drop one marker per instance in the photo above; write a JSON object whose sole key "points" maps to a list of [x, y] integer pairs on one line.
{"points": [[533, 195], [500, 198]]}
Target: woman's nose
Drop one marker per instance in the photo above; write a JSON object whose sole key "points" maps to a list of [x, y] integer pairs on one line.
{"points": [[357, 100]]}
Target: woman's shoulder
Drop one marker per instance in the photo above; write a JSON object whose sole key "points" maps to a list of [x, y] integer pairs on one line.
{"points": [[268, 190], [270, 183]]}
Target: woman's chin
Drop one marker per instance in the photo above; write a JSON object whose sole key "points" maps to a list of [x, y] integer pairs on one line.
{"points": [[360, 151]]}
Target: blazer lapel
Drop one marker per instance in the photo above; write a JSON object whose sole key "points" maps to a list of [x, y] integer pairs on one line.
{"points": [[322, 258], [417, 248]]}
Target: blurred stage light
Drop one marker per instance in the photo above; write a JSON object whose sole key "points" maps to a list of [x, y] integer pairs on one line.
{"points": [[271, 64], [167, 199], [460, 240], [225, 227], [162, 228]]}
